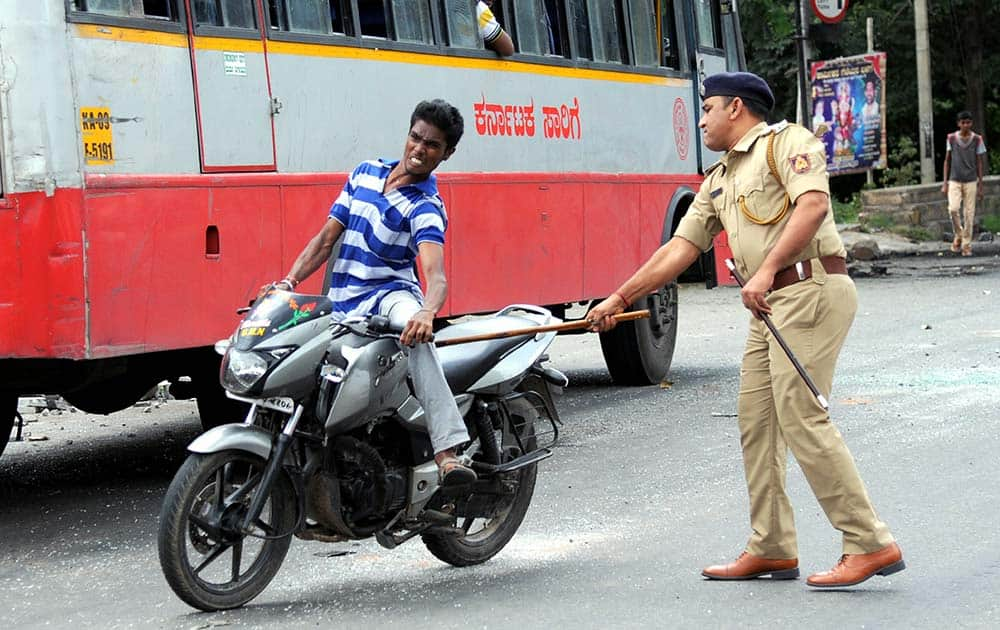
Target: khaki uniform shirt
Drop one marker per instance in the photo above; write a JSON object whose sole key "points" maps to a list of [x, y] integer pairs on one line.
{"points": [[743, 171]]}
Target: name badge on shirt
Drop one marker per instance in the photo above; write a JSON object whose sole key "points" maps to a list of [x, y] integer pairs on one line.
{"points": [[715, 193]]}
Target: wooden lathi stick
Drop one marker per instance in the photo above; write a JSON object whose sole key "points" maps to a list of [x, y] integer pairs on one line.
{"points": [[517, 332]]}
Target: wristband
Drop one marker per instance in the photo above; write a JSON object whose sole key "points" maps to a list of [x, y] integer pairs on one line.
{"points": [[622, 298], [290, 281]]}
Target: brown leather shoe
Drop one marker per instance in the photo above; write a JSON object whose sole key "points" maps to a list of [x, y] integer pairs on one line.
{"points": [[855, 568], [748, 567]]}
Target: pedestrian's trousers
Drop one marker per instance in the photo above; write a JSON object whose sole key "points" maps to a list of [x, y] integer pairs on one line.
{"points": [[778, 412], [962, 208], [444, 422]]}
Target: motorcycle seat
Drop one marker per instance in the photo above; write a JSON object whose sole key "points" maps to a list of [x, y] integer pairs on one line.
{"points": [[466, 363]]}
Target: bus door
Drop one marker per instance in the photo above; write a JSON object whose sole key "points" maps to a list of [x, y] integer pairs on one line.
{"points": [[232, 87], [709, 55]]}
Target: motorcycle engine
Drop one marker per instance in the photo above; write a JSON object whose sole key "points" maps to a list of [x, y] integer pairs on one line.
{"points": [[370, 489]]}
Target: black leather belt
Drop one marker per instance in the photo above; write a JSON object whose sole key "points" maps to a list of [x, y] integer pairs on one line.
{"points": [[803, 270]]}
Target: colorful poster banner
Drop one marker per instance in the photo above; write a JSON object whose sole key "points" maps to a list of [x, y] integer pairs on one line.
{"points": [[848, 111]]}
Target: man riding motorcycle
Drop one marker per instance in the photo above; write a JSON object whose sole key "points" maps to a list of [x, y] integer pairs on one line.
{"points": [[388, 213]]}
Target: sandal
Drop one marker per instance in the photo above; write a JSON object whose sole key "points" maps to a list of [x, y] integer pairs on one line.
{"points": [[452, 472]]}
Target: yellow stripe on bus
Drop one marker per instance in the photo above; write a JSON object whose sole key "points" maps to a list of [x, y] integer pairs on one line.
{"points": [[350, 52], [132, 35], [430, 59]]}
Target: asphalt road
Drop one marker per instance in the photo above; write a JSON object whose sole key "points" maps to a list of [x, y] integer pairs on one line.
{"points": [[644, 491]]}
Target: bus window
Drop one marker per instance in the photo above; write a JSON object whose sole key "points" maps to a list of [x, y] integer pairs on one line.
{"points": [[556, 26], [153, 9], [532, 27], [669, 50], [642, 16], [372, 14], [412, 19], [319, 17], [708, 23], [580, 25], [232, 13], [606, 25], [460, 18]]}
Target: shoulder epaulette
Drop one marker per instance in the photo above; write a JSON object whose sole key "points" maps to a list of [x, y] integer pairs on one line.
{"points": [[713, 167], [779, 126]]}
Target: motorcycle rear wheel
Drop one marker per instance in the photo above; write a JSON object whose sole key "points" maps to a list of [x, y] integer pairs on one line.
{"points": [[485, 538], [207, 561]]}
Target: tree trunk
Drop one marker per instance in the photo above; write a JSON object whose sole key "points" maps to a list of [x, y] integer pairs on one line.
{"points": [[972, 43]]}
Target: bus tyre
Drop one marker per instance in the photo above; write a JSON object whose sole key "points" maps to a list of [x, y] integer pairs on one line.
{"points": [[8, 411], [639, 352]]}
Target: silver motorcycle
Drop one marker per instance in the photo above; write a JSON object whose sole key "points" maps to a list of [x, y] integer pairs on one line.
{"points": [[335, 446]]}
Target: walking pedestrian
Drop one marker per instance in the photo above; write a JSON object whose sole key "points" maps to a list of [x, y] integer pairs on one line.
{"points": [[964, 166]]}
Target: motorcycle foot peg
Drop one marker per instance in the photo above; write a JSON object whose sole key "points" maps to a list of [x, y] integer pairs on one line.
{"points": [[386, 539], [437, 517], [446, 530]]}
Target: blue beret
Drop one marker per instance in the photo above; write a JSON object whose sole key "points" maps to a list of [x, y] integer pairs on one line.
{"points": [[746, 85]]}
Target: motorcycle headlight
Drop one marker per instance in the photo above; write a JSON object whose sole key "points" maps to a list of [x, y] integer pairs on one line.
{"points": [[242, 369]]}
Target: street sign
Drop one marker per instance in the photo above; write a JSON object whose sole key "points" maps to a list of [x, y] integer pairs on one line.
{"points": [[830, 11]]}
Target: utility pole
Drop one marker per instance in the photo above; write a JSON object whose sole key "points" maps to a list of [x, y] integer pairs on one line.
{"points": [[924, 92], [870, 31], [802, 108]]}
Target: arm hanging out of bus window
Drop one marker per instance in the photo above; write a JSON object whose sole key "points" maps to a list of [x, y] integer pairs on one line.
{"points": [[493, 35]]}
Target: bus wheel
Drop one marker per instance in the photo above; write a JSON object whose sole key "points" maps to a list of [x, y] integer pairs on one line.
{"points": [[640, 352]]}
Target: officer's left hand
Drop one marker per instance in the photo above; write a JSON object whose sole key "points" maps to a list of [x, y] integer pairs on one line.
{"points": [[420, 328], [754, 293]]}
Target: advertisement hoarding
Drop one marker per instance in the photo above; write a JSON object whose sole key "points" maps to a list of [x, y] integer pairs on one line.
{"points": [[848, 111]]}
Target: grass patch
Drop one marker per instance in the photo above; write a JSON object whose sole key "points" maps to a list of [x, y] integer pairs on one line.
{"points": [[913, 232], [877, 223], [846, 211], [991, 223]]}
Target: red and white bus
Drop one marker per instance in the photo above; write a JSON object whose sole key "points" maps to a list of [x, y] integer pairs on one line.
{"points": [[161, 159]]}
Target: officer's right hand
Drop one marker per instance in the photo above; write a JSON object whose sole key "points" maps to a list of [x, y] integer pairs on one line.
{"points": [[600, 317]]}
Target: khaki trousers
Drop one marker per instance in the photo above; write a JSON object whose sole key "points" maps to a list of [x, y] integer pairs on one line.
{"points": [[777, 412], [962, 195]]}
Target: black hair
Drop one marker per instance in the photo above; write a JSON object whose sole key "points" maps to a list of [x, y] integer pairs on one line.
{"points": [[443, 116], [756, 107], [965, 115]]}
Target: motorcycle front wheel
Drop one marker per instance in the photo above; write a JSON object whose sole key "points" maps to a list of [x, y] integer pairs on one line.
{"points": [[209, 562], [484, 538]]}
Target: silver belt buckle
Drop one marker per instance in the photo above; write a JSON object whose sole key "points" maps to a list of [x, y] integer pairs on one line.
{"points": [[799, 269]]}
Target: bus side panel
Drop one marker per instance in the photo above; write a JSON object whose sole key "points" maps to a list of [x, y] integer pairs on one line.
{"points": [[515, 239], [42, 310], [612, 244], [305, 209], [153, 280]]}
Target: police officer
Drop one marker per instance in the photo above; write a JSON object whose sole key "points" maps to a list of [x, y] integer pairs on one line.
{"points": [[770, 192]]}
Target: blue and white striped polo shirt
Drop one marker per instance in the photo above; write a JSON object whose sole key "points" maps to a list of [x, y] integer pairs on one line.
{"points": [[381, 236]]}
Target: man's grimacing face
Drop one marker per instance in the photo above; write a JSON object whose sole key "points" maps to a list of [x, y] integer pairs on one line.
{"points": [[426, 147]]}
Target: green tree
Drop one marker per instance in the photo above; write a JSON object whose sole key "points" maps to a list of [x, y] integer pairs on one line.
{"points": [[966, 72]]}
